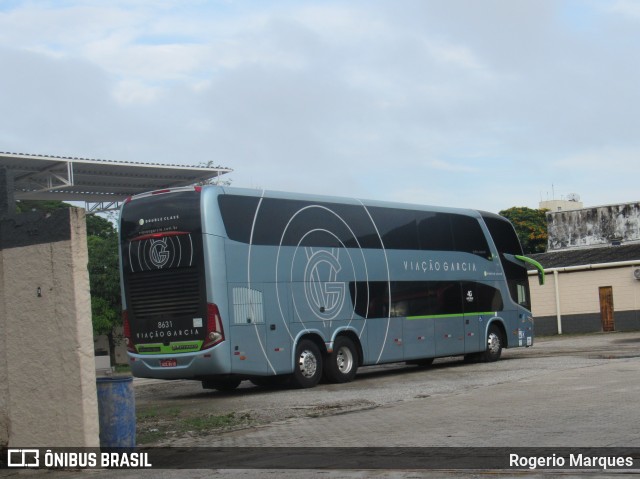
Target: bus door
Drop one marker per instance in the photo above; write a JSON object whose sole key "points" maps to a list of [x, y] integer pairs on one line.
{"points": [[482, 301]]}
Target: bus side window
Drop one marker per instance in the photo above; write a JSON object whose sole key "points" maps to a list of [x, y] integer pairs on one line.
{"points": [[523, 299], [468, 236], [434, 231]]}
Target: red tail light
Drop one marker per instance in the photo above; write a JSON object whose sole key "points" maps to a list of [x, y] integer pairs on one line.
{"points": [[215, 333], [126, 327]]}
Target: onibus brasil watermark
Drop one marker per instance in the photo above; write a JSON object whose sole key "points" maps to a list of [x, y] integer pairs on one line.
{"points": [[36, 458]]}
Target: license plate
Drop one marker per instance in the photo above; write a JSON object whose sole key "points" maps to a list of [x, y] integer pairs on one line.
{"points": [[168, 363]]}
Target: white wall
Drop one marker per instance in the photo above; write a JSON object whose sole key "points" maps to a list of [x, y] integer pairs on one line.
{"points": [[578, 291]]}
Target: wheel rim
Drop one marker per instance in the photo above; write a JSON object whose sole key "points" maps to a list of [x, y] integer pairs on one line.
{"points": [[344, 360], [493, 343], [308, 364]]}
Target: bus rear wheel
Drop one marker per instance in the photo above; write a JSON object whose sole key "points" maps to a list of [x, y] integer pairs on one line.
{"points": [[342, 363], [308, 365], [494, 345]]}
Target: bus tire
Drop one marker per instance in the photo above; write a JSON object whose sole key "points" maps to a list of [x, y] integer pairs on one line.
{"points": [[307, 368], [494, 345], [342, 364]]}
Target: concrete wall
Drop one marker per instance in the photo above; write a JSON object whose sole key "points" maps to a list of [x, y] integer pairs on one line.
{"points": [[4, 376], [47, 371], [578, 293], [593, 226]]}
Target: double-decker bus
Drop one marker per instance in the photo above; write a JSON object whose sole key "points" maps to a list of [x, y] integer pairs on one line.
{"points": [[225, 284]]}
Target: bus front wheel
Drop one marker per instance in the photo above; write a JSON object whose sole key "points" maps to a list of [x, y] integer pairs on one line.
{"points": [[342, 363], [308, 365], [494, 345]]}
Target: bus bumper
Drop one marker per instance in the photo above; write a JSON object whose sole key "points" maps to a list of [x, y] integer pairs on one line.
{"points": [[213, 361]]}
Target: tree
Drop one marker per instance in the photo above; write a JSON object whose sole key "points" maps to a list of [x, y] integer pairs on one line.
{"points": [[530, 226], [25, 206], [104, 278]]}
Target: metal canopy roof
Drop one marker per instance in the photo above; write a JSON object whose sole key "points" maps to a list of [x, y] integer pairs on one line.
{"points": [[42, 177]]}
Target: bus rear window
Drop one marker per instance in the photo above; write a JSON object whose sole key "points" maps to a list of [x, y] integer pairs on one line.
{"points": [[162, 213]]}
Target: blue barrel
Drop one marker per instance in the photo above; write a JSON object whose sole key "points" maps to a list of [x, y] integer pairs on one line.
{"points": [[116, 411]]}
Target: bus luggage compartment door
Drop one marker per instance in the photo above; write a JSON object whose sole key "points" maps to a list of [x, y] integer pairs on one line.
{"points": [[259, 345], [248, 331]]}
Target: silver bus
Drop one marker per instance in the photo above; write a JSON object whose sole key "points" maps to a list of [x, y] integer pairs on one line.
{"points": [[225, 284]]}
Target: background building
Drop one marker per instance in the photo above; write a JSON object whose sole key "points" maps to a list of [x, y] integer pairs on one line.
{"points": [[571, 203], [593, 271]]}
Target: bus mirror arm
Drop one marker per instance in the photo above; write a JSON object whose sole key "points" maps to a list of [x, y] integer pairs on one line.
{"points": [[534, 263]]}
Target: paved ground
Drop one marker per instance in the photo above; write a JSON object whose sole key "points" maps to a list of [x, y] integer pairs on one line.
{"points": [[580, 391], [584, 406]]}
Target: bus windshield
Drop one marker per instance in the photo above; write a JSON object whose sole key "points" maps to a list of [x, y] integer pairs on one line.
{"points": [[508, 245]]}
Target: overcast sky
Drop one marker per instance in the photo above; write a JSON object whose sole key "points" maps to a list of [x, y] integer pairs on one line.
{"points": [[474, 103]]}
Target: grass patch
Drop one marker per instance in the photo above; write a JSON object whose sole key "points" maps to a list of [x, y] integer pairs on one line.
{"points": [[156, 424], [154, 412]]}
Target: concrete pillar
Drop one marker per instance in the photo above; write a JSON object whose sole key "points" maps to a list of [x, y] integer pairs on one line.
{"points": [[47, 371], [4, 383]]}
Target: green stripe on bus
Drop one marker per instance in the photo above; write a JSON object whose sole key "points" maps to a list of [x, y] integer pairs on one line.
{"points": [[173, 348]]}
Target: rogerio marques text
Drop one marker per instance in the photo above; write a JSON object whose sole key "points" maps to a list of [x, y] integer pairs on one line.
{"points": [[572, 461]]}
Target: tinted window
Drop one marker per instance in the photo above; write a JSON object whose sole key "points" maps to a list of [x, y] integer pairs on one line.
{"points": [[426, 298], [434, 231], [503, 234], [161, 213], [370, 299], [468, 236], [481, 297], [237, 213], [518, 282], [422, 298], [294, 223], [397, 227], [506, 241]]}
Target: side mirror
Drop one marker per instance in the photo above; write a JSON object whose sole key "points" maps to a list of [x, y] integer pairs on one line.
{"points": [[535, 264]]}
